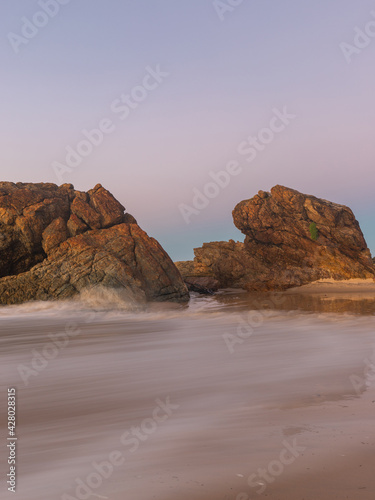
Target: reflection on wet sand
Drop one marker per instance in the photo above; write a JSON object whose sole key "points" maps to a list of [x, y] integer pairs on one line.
{"points": [[324, 302], [158, 396]]}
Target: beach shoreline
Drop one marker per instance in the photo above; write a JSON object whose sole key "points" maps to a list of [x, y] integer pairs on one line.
{"points": [[330, 286], [300, 378]]}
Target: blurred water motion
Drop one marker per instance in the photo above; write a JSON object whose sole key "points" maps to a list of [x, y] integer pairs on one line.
{"points": [[226, 410]]}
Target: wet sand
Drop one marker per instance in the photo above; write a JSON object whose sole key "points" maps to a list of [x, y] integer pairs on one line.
{"points": [[356, 288], [293, 397], [324, 296], [337, 463], [339, 459]]}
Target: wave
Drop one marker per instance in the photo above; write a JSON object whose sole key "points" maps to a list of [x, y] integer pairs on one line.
{"points": [[114, 304]]}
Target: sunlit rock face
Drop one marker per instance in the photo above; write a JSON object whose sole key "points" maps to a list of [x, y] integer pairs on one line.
{"points": [[56, 241], [291, 239]]}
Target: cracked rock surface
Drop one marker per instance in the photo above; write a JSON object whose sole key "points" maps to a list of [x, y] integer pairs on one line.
{"points": [[291, 239], [56, 241]]}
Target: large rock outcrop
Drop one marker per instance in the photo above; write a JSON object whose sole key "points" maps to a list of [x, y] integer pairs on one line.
{"points": [[291, 239], [56, 242], [225, 261]]}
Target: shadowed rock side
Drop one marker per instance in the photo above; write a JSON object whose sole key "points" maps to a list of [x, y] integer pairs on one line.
{"points": [[56, 242], [226, 262], [291, 239]]}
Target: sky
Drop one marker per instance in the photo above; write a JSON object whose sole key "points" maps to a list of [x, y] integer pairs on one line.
{"points": [[184, 108]]}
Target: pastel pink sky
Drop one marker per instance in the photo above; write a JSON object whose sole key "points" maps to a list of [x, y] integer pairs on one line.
{"points": [[225, 78]]}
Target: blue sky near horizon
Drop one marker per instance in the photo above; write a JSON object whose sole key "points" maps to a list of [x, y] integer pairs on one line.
{"points": [[225, 77]]}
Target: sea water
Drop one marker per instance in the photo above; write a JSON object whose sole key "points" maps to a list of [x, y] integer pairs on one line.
{"points": [[124, 402]]}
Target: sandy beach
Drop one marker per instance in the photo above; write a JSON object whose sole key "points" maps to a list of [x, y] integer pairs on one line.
{"points": [[356, 288], [337, 461], [266, 403]]}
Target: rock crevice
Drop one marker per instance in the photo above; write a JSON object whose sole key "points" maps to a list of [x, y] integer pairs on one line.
{"points": [[56, 241], [279, 250]]}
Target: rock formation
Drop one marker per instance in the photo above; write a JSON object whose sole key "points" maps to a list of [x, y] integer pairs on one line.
{"points": [[225, 261], [291, 239], [56, 242]]}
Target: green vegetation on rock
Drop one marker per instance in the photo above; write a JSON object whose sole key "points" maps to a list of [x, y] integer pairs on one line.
{"points": [[313, 231]]}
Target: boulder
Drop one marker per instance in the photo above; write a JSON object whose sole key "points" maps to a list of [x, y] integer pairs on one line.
{"points": [[225, 261], [203, 285], [56, 242], [291, 239], [54, 235], [110, 211]]}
